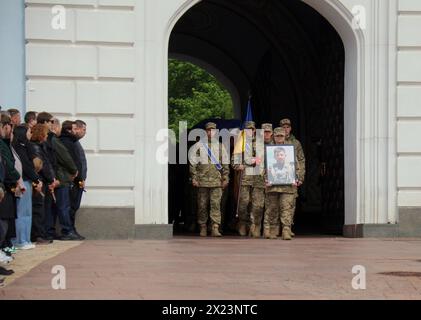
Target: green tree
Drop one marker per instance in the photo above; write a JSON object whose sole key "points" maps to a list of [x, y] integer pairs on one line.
{"points": [[195, 95]]}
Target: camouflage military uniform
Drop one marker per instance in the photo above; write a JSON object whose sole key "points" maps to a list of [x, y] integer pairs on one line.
{"points": [[267, 127], [210, 180], [252, 192], [299, 152], [279, 203]]}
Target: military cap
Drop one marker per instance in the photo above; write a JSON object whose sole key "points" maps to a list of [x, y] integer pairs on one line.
{"points": [[250, 125], [267, 127], [285, 122], [279, 131], [210, 125]]}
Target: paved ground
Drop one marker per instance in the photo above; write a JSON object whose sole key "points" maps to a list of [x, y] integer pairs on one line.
{"points": [[26, 260], [227, 268]]}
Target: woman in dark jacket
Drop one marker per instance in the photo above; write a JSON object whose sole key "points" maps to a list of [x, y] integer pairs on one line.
{"points": [[8, 205], [21, 136], [39, 136], [47, 176]]}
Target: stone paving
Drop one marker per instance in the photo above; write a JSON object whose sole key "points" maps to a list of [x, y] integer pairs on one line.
{"points": [[228, 268], [26, 260]]}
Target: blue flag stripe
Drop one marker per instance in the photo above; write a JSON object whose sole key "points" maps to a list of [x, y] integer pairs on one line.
{"points": [[212, 157]]}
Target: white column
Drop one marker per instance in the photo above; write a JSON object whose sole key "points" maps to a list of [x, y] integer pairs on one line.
{"points": [[409, 97], [153, 18]]}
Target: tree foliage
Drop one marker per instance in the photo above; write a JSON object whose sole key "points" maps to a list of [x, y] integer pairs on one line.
{"points": [[195, 95]]}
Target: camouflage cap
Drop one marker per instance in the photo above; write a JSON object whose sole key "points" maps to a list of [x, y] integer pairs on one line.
{"points": [[210, 125], [250, 125], [279, 132], [284, 122], [267, 127]]}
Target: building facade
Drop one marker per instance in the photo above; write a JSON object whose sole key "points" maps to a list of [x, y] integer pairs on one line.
{"points": [[105, 62]]}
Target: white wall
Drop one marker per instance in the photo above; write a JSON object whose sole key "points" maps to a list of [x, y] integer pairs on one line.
{"points": [[108, 67], [87, 71], [409, 103]]}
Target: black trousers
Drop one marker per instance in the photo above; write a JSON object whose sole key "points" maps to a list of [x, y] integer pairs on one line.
{"points": [[38, 217], [4, 227], [8, 215], [75, 200], [11, 233]]}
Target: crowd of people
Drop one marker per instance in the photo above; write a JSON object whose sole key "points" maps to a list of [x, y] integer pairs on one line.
{"points": [[43, 170]]}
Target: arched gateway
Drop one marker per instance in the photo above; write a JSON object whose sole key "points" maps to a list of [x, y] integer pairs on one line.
{"points": [[343, 97]]}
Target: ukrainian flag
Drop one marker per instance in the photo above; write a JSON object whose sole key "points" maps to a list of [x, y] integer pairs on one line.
{"points": [[240, 146]]}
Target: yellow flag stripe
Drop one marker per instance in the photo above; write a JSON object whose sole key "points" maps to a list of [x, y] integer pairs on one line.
{"points": [[240, 144]]}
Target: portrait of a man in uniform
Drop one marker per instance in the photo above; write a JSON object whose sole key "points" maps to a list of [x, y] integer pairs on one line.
{"points": [[280, 164]]}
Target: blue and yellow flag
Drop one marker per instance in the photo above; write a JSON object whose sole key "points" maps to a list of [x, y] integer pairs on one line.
{"points": [[241, 146]]}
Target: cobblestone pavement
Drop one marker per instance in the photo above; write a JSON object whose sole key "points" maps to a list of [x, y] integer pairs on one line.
{"points": [[227, 268]]}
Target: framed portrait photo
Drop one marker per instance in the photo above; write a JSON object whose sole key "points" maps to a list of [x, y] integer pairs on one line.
{"points": [[280, 164]]}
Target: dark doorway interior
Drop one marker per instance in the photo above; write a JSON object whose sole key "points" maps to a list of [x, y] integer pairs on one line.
{"points": [[292, 61]]}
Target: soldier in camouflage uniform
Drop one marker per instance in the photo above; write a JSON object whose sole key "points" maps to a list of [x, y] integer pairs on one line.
{"points": [[268, 133], [299, 152], [210, 177], [252, 191], [268, 140], [279, 201]]}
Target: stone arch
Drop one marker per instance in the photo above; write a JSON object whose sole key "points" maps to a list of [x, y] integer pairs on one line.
{"points": [[353, 39]]}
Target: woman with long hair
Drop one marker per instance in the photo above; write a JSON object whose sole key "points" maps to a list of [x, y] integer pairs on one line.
{"points": [[46, 172]]}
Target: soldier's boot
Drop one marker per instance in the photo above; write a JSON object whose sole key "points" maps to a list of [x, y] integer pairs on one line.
{"points": [[203, 230], [286, 233], [266, 233], [242, 229], [278, 230], [215, 231], [256, 232], [251, 230], [274, 232]]}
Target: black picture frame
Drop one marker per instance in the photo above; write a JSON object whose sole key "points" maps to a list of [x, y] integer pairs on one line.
{"points": [[286, 175]]}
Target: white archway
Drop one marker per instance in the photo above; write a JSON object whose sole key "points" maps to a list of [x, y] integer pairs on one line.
{"points": [[341, 19], [370, 143]]}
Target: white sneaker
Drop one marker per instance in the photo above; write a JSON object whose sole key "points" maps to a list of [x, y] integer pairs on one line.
{"points": [[5, 258], [26, 246]]}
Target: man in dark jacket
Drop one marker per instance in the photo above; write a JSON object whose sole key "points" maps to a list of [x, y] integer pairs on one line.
{"points": [[66, 172], [71, 141], [11, 177], [3, 256], [49, 217]]}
